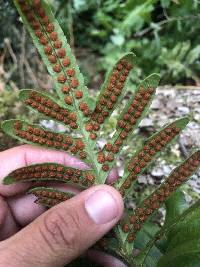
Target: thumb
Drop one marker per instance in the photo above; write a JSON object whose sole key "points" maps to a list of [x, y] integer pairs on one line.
{"points": [[65, 231]]}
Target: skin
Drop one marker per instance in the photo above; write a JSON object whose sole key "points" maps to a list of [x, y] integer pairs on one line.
{"points": [[31, 236]]}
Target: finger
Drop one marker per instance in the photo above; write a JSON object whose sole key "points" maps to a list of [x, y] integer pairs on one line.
{"points": [[65, 231], [8, 226], [113, 176], [23, 208], [104, 259], [22, 156]]}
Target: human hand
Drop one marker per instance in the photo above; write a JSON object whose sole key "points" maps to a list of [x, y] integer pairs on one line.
{"points": [[31, 236]]}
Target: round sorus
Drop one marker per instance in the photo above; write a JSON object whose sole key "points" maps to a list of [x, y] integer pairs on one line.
{"points": [[68, 100], [132, 121], [117, 92], [30, 17], [41, 12], [65, 89], [93, 136], [100, 119], [113, 98], [96, 127], [48, 50], [119, 85], [119, 142], [109, 105], [50, 27], [73, 125], [43, 40], [83, 106], [125, 228], [110, 157], [61, 78], [126, 117], [147, 96], [80, 145], [119, 66], [38, 33], [131, 238], [123, 135], [121, 123], [89, 127], [54, 36], [137, 169], [105, 167], [105, 113], [58, 44], [45, 20], [73, 116], [25, 8], [127, 184], [152, 152], [102, 100], [57, 68], [137, 114], [73, 150], [70, 72], [108, 147], [61, 53], [66, 62], [128, 128], [78, 94], [101, 157], [115, 149], [52, 59], [82, 154], [74, 83], [18, 125], [123, 78]]}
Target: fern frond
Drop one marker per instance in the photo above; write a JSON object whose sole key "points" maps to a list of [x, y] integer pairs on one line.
{"points": [[48, 107], [145, 155], [36, 135], [128, 120], [49, 197], [51, 172], [177, 177]]}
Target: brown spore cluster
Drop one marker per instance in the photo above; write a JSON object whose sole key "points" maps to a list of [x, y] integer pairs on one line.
{"points": [[55, 172], [49, 108], [62, 65], [109, 98], [151, 148], [50, 139], [52, 197], [152, 203], [127, 122]]}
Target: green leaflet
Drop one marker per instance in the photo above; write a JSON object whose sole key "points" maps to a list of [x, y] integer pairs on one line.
{"points": [[126, 126], [137, 159], [185, 255], [177, 177], [46, 105], [113, 81], [51, 172], [40, 47], [183, 232], [175, 206], [50, 197], [36, 135]]}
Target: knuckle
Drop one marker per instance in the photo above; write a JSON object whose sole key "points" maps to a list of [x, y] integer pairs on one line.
{"points": [[61, 230]]}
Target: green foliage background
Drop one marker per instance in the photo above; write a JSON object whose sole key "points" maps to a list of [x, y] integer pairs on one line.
{"points": [[163, 34]]}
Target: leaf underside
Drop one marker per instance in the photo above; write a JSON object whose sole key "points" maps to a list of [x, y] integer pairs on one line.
{"points": [[71, 107]]}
